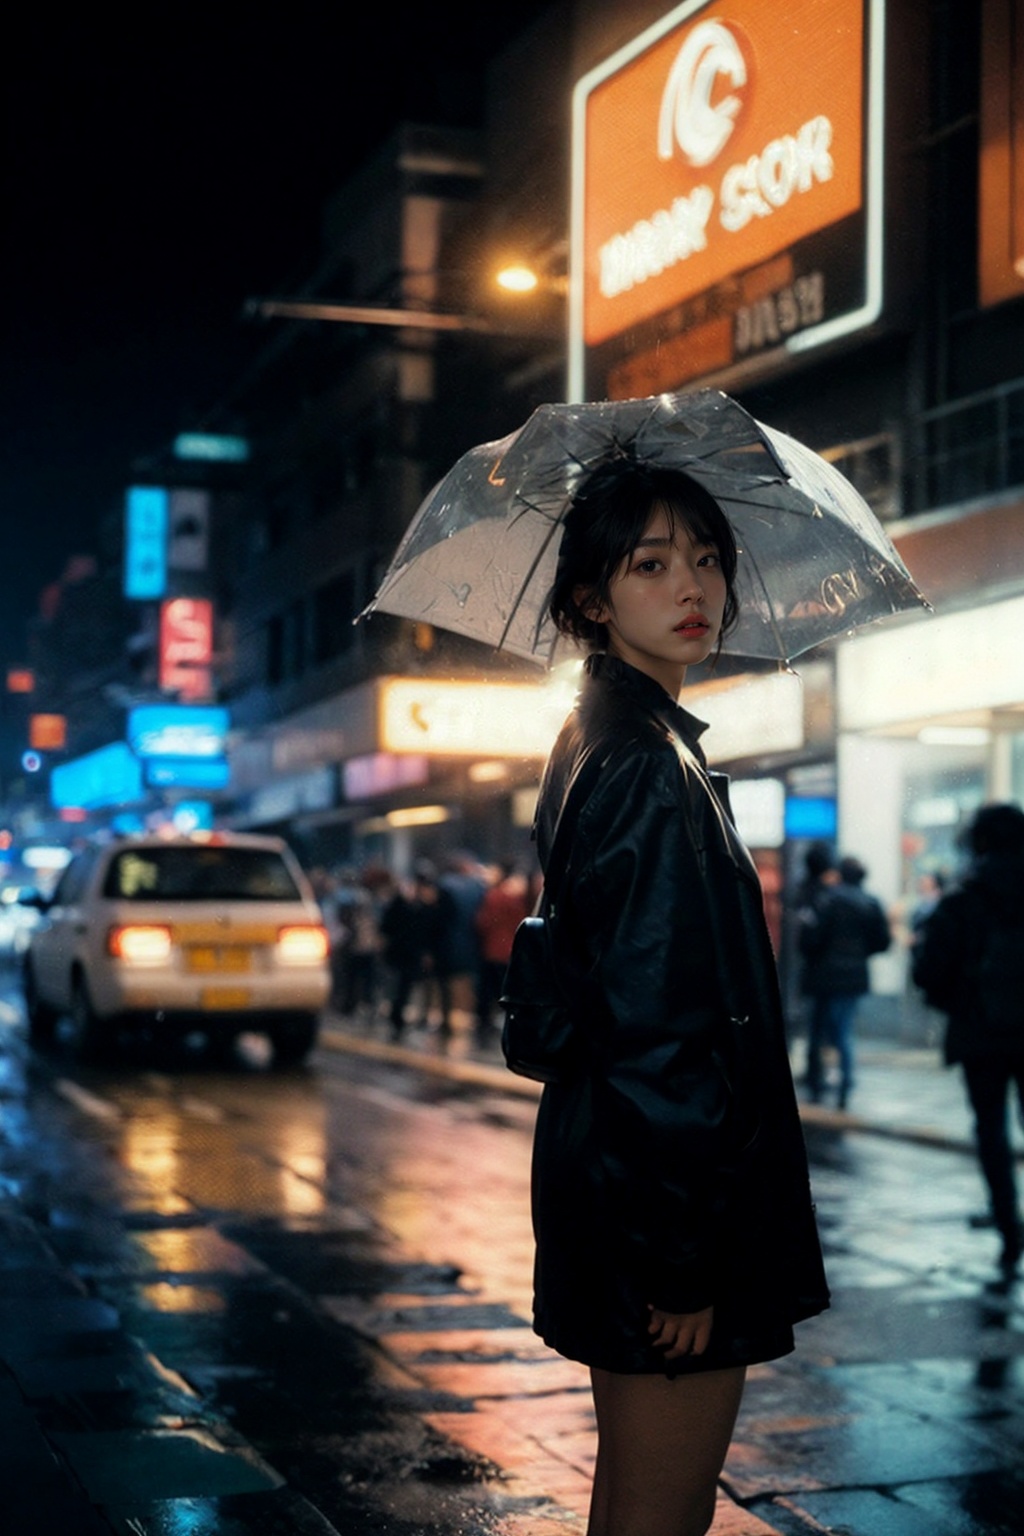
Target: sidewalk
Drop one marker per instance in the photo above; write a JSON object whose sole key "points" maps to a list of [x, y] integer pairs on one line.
{"points": [[901, 1413]]}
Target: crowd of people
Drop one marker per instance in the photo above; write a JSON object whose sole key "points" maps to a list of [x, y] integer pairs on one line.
{"points": [[427, 951]]}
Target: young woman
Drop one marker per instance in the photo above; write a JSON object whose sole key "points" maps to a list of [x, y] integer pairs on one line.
{"points": [[676, 1242]]}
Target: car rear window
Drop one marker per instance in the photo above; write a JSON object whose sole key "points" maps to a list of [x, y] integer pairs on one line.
{"points": [[199, 874]]}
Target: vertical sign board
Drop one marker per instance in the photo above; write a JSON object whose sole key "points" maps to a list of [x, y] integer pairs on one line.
{"points": [[188, 534], [727, 193], [1001, 170], [186, 646], [145, 542]]}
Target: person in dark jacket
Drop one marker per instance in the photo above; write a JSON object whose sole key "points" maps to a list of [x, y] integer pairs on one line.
{"points": [[410, 927], [675, 1234], [969, 962], [841, 926], [506, 902], [461, 885]]}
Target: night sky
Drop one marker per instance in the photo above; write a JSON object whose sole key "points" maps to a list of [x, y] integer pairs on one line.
{"points": [[158, 170]]}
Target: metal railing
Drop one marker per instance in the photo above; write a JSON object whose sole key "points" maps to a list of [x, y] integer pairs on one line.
{"points": [[970, 448], [962, 451]]}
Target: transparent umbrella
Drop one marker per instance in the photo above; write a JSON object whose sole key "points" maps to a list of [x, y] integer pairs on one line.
{"points": [[479, 557]]}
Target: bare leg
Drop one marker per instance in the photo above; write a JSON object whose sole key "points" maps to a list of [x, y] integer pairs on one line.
{"points": [[661, 1446]]}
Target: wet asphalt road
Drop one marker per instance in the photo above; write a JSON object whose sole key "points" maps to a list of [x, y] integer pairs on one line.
{"points": [[295, 1303]]}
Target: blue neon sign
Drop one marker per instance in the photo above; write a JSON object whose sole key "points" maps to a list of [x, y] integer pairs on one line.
{"points": [[145, 543], [110, 776], [187, 772], [811, 816], [178, 730]]}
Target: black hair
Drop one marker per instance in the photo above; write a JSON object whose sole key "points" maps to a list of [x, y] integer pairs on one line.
{"points": [[819, 859], [852, 871], [608, 518], [997, 829]]}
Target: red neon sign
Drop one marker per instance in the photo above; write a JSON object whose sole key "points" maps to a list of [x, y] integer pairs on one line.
{"points": [[186, 646]]}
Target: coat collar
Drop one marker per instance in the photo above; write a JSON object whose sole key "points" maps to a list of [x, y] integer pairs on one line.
{"points": [[685, 729], [651, 695]]}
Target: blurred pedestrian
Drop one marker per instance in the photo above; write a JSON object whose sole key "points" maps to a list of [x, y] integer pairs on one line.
{"points": [[360, 980], [327, 888], [409, 931], [930, 888], [675, 1234], [504, 905], [970, 965], [461, 885], [340, 904], [434, 918], [840, 929], [820, 872]]}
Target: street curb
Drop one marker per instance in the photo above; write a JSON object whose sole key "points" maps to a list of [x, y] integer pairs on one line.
{"points": [[457, 1070], [501, 1080], [922, 1135]]}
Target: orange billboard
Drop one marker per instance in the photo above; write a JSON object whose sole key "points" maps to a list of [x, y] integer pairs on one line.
{"points": [[707, 152], [1001, 169]]}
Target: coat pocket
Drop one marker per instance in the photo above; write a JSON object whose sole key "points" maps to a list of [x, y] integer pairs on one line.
{"points": [[741, 1081]]}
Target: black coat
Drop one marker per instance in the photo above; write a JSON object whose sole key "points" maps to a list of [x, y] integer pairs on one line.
{"points": [[969, 961], [839, 929], [672, 1171]]}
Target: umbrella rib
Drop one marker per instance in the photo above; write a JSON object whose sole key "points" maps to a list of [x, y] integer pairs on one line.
{"points": [[783, 649], [554, 523]]}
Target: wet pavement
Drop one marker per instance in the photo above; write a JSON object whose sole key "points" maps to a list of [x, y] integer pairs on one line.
{"points": [[300, 1306]]}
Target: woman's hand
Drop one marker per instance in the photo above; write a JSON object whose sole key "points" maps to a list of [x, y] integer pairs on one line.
{"points": [[680, 1333]]}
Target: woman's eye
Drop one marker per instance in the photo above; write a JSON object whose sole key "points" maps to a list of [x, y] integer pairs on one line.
{"points": [[647, 567], [711, 558]]}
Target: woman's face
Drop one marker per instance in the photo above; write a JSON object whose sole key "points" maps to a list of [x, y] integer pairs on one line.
{"points": [[665, 602]]}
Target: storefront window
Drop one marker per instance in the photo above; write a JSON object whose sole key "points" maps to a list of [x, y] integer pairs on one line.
{"points": [[939, 799], [1017, 769]]}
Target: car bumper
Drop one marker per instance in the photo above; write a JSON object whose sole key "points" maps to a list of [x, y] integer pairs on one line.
{"points": [[209, 997]]}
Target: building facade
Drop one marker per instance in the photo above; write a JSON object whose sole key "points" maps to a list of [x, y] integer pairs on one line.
{"points": [[816, 207]]}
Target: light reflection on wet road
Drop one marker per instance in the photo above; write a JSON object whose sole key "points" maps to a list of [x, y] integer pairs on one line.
{"points": [[230, 1215]]}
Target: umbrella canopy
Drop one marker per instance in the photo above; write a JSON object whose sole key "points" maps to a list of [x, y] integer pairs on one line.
{"points": [[479, 557]]}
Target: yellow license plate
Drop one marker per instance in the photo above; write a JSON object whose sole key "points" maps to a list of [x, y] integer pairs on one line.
{"points": [[206, 958], [227, 998]]}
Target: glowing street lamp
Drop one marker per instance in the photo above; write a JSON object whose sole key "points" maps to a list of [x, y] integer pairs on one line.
{"points": [[517, 278]]}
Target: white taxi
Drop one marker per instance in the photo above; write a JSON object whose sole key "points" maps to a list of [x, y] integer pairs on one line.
{"points": [[219, 934]]}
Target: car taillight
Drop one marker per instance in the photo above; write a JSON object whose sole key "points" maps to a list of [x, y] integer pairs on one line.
{"points": [[305, 945], [140, 943]]}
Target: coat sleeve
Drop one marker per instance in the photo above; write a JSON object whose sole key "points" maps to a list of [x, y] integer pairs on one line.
{"points": [[939, 955], [663, 1101], [812, 928], [880, 934]]}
